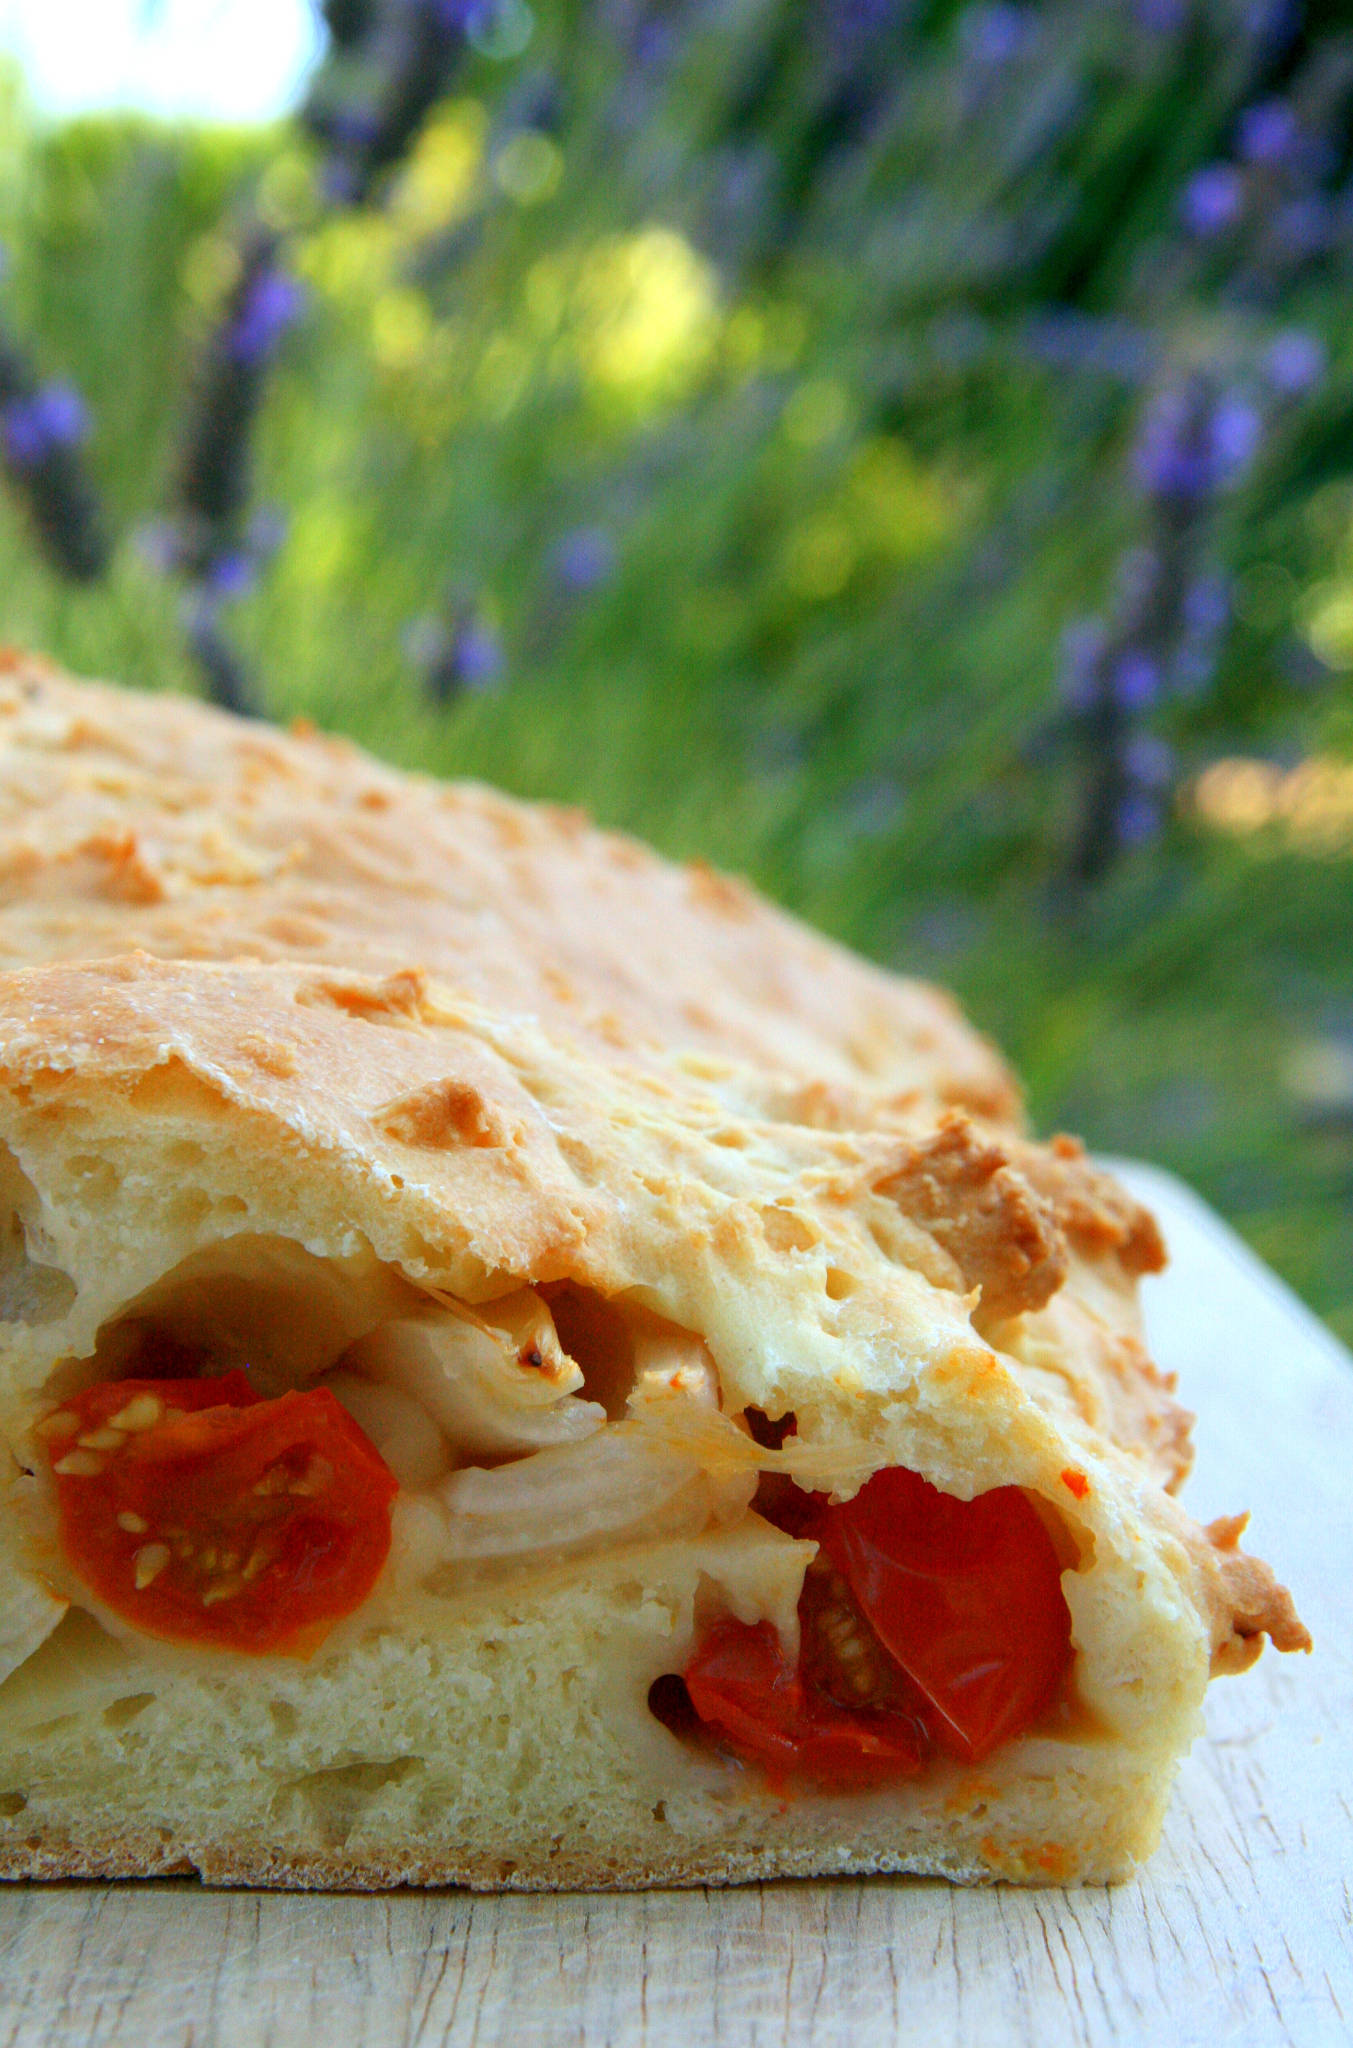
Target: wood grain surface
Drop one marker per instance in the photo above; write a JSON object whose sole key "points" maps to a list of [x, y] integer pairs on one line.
{"points": [[1238, 1931]]}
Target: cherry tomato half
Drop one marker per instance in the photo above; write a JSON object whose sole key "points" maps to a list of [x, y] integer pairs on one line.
{"points": [[965, 1595], [203, 1514], [742, 1684], [967, 1636]]}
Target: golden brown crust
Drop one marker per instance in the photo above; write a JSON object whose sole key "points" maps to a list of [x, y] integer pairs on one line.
{"points": [[1097, 1213], [958, 1183], [1254, 1603], [262, 1866], [445, 1112], [171, 828]]}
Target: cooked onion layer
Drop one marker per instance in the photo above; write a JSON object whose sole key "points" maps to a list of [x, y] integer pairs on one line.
{"points": [[495, 1382]]}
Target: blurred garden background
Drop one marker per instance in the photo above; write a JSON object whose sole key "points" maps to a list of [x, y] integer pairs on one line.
{"points": [[900, 450]]}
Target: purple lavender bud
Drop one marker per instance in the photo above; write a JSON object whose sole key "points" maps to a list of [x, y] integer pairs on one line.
{"points": [[1234, 432], [1136, 680], [1206, 606], [477, 656], [584, 558], [1274, 22], [33, 427], [225, 676], [993, 32], [1168, 460], [1160, 17], [1268, 133], [1149, 761], [1212, 199], [23, 444], [228, 575], [62, 414], [1082, 651], [654, 42], [352, 127], [1295, 362], [271, 303], [1137, 819]]}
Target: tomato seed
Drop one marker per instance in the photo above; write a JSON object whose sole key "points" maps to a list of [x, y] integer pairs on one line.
{"points": [[149, 1561], [143, 1411], [317, 1478], [222, 1589], [106, 1439]]}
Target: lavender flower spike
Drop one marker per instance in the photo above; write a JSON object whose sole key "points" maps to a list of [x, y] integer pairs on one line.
{"points": [[33, 427], [1268, 133], [1212, 199], [1295, 362], [584, 558], [993, 31], [270, 304]]}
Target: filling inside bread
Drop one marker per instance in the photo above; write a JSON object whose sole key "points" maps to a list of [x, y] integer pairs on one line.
{"points": [[265, 1445], [928, 1626]]}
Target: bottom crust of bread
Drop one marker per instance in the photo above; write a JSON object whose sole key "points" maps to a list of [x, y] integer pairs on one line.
{"points": [[501, 1740], [259, 1866]]}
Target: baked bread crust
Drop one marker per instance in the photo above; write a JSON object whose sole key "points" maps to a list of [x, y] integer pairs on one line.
{"points": [[147, 822], [260, 990]]}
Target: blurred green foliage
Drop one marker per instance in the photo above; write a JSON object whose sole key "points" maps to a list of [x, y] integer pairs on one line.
{"points": [[728, 426]]}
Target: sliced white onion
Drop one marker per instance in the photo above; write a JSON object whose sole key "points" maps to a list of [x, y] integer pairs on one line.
{"points": [[522, 1322], [623, 1483], [403, 1432], [494, 1388], [264, 1303], [668, 1360], [28, 1611]]}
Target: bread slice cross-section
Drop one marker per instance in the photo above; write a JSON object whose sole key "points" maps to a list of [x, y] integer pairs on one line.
{"points": [[520, 1365]]}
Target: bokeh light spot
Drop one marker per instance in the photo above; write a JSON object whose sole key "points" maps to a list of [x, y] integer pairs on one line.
{"points": [[528, 168]]}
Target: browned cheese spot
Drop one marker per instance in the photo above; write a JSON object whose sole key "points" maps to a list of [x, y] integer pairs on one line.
{"points": [[960, 1186], [443, 1114]]}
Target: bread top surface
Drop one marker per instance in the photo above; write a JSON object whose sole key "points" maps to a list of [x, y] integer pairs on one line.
{"points": [[132, 821], [495, 1046]]}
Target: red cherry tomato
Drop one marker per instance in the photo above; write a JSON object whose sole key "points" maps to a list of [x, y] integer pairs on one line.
{"points": [[965, 1595], [742, 1684], [968, 1637], [203, 1514]]}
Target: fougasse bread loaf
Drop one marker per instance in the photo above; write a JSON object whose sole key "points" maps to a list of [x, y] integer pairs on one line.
{"points": [[520, 1365]]}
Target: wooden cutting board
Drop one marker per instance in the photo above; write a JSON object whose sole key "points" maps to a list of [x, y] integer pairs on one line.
{"points": [[1237, 1932]]}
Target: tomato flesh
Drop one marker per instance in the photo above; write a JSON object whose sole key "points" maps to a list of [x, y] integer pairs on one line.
{"points": [[927, 1623], [204, 1514], [965, 1596], [742, 1684]]}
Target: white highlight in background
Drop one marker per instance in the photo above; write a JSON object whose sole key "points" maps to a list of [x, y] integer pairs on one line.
{"points": [[224, 60]]}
